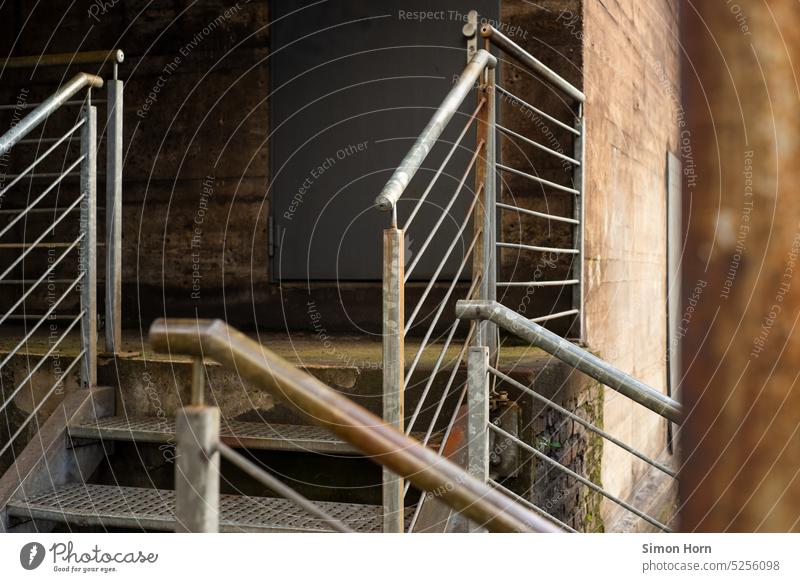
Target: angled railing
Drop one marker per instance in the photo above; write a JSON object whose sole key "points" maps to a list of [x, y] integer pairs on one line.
{"points": [[197, 482], [48, 234], [480, 372]]}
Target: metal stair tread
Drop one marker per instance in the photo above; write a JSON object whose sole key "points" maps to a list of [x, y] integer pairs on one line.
{"points": [[153, 509], [234, 433], [251, 435]]}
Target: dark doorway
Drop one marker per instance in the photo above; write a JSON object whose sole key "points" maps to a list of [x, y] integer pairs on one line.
{"points": [[352, 85]]}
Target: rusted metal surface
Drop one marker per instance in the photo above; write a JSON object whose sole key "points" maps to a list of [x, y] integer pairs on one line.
{"points": [[740, 296], [330, 409], [64, 59]]}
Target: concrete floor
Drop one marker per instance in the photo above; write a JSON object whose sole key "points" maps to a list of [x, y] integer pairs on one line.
{"points": [[302, 349]]}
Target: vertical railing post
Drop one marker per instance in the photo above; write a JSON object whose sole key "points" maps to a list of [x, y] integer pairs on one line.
{"points": [[393, 367], [478, 415], [485, 264], [197, 469], [113, 286], [198, 458], [88, 246], [578, 212]]}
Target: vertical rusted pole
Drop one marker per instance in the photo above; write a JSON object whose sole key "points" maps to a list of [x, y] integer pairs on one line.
{"points": [[393, 367], [197, 470], [113, 286], [484, 263], [88, 246], [741, 268]]}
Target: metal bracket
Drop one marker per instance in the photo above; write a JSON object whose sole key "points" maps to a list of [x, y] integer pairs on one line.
{"points": [[470, 32]]}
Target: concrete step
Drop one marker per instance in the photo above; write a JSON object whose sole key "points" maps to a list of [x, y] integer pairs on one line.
{"points": [[246, 435], [103, 506]]}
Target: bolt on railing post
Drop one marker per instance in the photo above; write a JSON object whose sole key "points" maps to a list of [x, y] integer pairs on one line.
{"points": [[478, 416], [393, 367], [113, 287], [88, 247], [197, 469], [578, 260]]}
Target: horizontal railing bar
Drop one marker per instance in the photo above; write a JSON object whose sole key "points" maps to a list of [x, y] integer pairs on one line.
{"points": [[41, 245], [27, 316], [50, 227], [44, 209], [49, 270], [279, 487], [48, 315], [550, 316], [538, 179], [45, 140], [412, 161], [65, 59], [522, 247], [537, 283], [38, 175], [446, 210], [533, 64], [26, 281], [582, 421], [530, 505], [335, 412], [34, 118], [39, 198], [36, 162], [536, 110], [36, 409], [41, 361], [538, 214], [36, 104], [453, 149], [573, 355], [590, 484], [537, 145]]}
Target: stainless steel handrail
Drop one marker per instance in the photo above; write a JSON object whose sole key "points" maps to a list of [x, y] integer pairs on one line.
{"points": [[573, 355], [402, 176], [504, 43], [47, 107], [331, 410]]}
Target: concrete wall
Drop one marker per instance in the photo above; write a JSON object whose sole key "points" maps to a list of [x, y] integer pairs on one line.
{"points": [[632, 83]]}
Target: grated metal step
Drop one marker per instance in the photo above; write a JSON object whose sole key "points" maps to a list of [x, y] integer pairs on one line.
{"points": [[249, 435], [238, 434], [153, 509]]}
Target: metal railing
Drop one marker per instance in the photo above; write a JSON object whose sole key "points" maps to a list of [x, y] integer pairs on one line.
{"points": [[48, 233], [111, 134], [197, 472], [492, 200], [472, 272], [480, 372]]}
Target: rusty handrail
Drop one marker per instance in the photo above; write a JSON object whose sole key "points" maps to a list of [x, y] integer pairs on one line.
{"points": [[331, 410]]}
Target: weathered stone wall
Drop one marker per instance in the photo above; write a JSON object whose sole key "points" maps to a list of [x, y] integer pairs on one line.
{"points": [[632, 84]]}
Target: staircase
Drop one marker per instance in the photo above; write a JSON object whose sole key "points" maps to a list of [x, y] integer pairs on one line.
{"points": [[458, 420]]}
